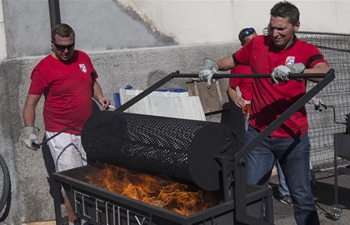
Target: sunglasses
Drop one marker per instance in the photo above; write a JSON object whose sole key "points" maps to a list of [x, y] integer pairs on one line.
{"points": [[61, 48], [246, 33]]}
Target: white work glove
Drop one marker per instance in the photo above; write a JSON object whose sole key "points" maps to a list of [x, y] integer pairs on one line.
{"points": [[280, 73], [30, 136], [209, 69], [318, 103]]}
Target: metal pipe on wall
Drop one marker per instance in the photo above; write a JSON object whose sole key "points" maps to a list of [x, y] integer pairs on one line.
{"points": [[54, 10], [55, 18]]}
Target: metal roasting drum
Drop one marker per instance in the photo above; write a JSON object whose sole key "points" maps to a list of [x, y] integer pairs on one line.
{"points": [[186, 150]]}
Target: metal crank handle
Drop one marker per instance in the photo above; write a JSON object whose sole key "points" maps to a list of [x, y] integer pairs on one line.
{"points": [[46, 140], [290, 76], [226, 75], [36, 145]]}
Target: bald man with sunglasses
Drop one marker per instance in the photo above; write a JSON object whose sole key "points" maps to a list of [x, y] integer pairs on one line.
{"points": [[67, 79]]}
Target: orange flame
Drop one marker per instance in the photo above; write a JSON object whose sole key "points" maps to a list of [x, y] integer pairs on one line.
{"points": [[181, 198]]}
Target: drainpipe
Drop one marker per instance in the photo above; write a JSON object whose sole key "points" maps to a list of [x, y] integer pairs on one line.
{"points": [[54, 10], [55, 18]]}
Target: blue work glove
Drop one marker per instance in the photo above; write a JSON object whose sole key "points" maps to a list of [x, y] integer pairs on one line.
{"points": [[280, 73], [30, 136], [318, 103], [209, 69]]}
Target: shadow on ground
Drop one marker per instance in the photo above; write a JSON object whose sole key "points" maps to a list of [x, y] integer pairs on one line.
{"points": [[325, 198]]}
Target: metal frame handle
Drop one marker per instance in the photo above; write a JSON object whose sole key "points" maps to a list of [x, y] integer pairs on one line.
{"points": [[177, 74]]}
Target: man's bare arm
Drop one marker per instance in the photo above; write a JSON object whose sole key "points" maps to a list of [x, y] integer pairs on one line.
{"points": [[29, 109], [98, 95], [226, 63], [318, 68]]}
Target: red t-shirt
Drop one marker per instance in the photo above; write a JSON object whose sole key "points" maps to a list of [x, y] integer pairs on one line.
{"points": [[244, 84], [67, 87], [269, 101]]}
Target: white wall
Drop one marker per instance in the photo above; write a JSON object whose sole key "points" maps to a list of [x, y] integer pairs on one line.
{"points": [[215, 21], [130, 24]]}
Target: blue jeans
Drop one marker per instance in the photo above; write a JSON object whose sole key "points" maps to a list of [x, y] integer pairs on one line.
{"points": [[246, 123], [293, 156], [282, 186]]}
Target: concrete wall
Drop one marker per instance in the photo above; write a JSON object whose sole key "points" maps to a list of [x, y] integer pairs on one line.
{"points": [[112, 24], [99, 25]]}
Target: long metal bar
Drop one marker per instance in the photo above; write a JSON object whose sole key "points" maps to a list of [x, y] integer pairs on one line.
{"points": [[55, 135], [239, 158], [226, 179], [335, 176], [176, 74], [146, 92], [223, 75], [57, 203], [54, 11]]}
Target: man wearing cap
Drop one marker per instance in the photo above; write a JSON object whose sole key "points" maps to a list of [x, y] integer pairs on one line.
{"points": [[244, 84]]}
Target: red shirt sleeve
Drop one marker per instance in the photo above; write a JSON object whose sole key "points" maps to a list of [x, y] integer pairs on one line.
{"points": [[244, 84]]}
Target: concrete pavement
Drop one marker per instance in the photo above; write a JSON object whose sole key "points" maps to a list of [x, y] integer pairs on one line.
{"points": [[324, 194]]}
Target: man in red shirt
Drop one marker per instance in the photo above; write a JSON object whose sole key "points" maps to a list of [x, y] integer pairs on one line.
{"points": [[67, 79], [279, 53], [245, 87]]}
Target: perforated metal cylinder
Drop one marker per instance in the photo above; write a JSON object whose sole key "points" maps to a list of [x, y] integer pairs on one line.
{"points": [[177, 148]]}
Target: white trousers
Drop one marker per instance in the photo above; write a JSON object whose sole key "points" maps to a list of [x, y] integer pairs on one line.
{"points": [[66, 150]]}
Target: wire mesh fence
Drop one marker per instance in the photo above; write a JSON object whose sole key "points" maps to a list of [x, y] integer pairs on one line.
{"points": [[336, 49]]}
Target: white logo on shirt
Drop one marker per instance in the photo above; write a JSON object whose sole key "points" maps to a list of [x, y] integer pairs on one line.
{"points": [[290, 60], [83, 68]]}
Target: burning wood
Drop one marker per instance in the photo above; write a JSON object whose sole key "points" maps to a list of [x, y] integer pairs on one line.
{"points": [[181, 198]]}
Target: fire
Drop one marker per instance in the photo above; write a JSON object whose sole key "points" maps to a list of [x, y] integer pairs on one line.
{"points": [[178, 197]]}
